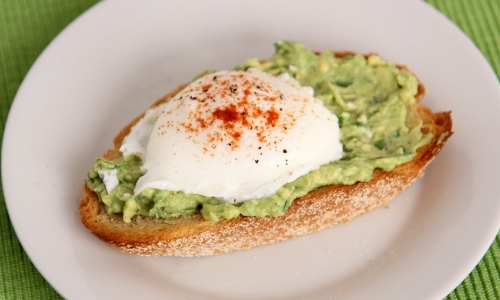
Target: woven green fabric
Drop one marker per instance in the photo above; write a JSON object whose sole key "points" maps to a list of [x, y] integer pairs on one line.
{"points": [[26, 28]]}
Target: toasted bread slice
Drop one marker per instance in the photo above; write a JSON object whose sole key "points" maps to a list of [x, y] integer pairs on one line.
{"points": [[191, 235]]}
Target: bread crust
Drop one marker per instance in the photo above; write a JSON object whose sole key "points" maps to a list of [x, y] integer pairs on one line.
{"points": [[324, 207]]}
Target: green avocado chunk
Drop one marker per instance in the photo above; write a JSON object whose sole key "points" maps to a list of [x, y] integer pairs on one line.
{"points": [[369, 96]]}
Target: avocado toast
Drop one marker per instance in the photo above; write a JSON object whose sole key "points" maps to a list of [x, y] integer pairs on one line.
{"points": [[195, 234]]}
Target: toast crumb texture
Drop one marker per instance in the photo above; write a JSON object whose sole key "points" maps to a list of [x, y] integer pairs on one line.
{"points": [[325, 207]]}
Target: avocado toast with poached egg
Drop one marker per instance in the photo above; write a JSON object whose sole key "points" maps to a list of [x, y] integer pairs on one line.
{"points": [[386, 140]]}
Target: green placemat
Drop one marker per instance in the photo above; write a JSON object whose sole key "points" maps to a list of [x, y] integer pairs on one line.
{"points": [[27, 27]]}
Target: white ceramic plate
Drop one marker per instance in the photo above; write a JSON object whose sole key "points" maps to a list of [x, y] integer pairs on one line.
{"points": [[113, 61]]}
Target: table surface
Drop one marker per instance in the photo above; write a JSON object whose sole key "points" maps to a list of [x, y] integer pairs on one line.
{"points": [[27, 27]]}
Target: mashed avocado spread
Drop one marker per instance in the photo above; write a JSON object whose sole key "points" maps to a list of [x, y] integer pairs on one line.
{"points": [[370, 97]]}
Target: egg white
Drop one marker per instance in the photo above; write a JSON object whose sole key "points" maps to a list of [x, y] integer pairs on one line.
{"points": [[235, 136]]}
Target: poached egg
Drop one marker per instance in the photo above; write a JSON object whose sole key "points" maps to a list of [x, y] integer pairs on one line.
{"points": [[235, 136]]}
